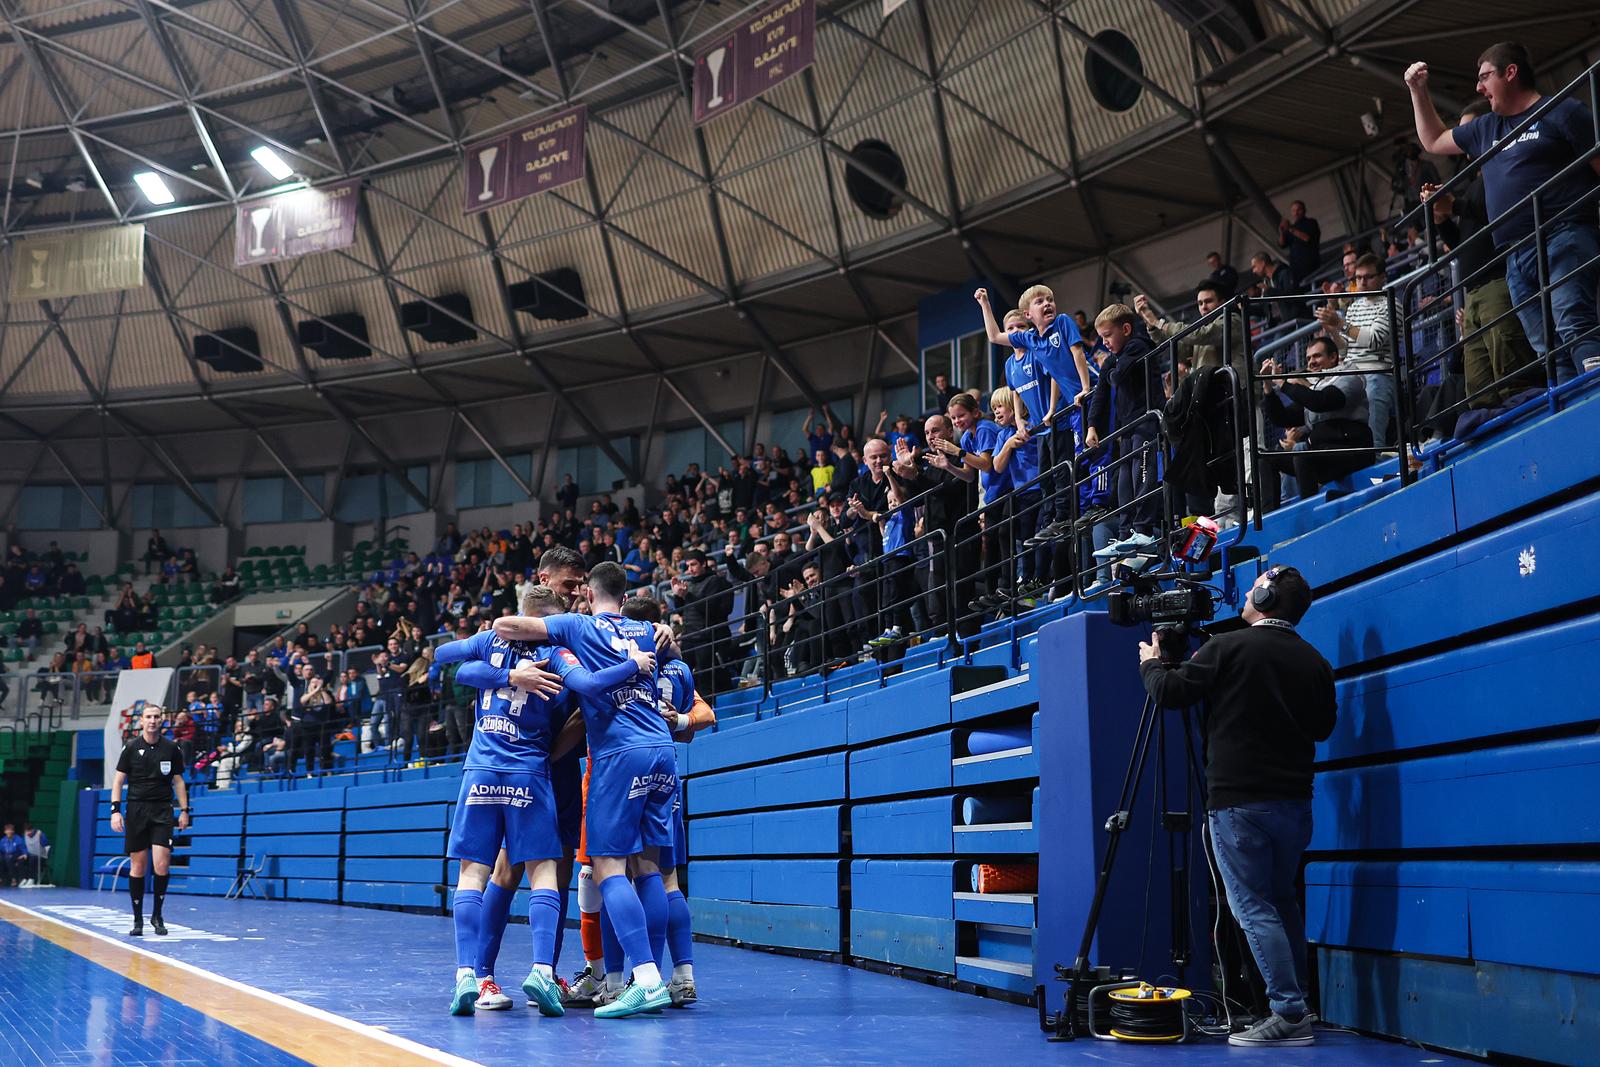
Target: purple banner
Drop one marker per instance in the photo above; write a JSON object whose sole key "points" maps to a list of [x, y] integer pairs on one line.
{"points": [[297, 223], [774, 44], [544, 155]]}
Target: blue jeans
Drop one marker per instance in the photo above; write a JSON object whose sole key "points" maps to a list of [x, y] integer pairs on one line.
{"points": [[1380, 406], [1572, 294], [1258, 848]]}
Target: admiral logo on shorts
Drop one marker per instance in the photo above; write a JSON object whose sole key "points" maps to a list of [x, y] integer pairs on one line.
{"points": [[515, 796], [661, 782]]}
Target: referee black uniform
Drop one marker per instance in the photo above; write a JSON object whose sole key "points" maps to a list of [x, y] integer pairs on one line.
{"points": [[150, 768]]}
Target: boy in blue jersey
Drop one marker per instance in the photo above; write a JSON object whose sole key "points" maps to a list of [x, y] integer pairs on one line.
{"points": [[685, 714], [633, 777]]}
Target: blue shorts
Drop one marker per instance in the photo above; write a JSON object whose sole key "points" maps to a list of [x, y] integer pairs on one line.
{"points": [[677, 853], [566, 781], [516, 808], [630, 800]]}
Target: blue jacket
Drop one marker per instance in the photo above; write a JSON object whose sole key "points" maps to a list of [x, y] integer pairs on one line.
{"points": [[15, 847]]}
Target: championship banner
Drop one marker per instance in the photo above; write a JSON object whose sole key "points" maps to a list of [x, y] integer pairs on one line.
{"points": [[532, 159], [297, 223], [135, 689], [77, 263], [773, 45]]}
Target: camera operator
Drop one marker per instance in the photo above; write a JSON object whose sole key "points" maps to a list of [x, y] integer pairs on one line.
{"points": [[1269, 698]]}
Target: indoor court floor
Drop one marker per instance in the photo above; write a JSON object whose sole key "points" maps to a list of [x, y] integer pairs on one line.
{"points": [[246, 983]]}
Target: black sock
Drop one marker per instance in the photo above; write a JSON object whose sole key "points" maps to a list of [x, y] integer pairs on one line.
{"points": [[136, 894], [161, 894]]}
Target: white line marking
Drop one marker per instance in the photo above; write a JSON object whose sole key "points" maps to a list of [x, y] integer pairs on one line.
{"points": [[394, 1040]]}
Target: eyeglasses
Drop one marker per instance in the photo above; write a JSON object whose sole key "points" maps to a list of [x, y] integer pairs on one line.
{"points": [[1485, 75]]}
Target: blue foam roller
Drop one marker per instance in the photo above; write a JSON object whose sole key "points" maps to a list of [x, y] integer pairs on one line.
{"points": [[975, 810], [983, 742], [977, 877]]}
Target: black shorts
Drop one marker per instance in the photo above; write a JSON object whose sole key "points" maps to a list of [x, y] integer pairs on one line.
{"points": [[146, 824]]}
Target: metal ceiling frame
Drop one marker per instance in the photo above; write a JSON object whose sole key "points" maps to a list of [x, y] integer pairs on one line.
{"points": [[296, 59]]}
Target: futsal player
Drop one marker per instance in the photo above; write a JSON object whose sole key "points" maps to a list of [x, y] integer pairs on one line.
{"points": [[675, 683], [506, 796], [151, 766], [634, 776]]}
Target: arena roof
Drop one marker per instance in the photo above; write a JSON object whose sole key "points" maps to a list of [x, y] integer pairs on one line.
{"points": [[692, 243]]}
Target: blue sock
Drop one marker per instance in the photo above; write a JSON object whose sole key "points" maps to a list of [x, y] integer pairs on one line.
{"points": [[629, 923], [680, 929], [653, 898], [543, 913], [496, 911], [561, 929], [468, 908], [610, 946]]}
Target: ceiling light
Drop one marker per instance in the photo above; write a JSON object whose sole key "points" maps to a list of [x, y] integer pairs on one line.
{"points": [[154, 189], [77, 183], [34, 180], [271, 162]]}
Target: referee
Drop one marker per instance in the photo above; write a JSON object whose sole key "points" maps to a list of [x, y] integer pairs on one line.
{"points": [[151, 766]]}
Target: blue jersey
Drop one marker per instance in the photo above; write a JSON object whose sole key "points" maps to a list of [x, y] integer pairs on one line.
{"points": [[618, 716], [1023, 466], [513, 727], [1030, 383], [1052, 349], [986, 436], [675, 683]]}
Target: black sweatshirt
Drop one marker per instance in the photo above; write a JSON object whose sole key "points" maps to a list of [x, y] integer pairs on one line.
{"points": [[1270, 698]]}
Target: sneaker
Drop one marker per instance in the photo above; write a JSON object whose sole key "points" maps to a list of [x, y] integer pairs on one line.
{"points": [[604, 996], [1111, 551], [466, 993], [585, 989], [681, 990], [1100, 585], [1134, 543], [26, 883], [1274, 1032], [635, 1000], [490, 996], [543, 992], [158, 926], [138, 927]]}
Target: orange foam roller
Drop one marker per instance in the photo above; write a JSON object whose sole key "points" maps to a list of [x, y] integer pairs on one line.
{"points": [[1005, 877]]}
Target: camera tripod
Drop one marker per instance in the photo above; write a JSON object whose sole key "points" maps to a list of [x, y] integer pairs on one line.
{"points": [[1076, 1013]]}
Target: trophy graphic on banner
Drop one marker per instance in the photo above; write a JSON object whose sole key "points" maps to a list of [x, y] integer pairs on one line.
{"points": [[714, 63], [36, 268], [486, 160], [258, 223]]}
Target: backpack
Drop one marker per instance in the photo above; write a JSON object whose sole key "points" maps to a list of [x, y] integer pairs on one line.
{"points": [[1200, 427]]}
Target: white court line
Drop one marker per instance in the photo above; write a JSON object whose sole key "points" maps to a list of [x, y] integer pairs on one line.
{"points": [[383, 1036]]}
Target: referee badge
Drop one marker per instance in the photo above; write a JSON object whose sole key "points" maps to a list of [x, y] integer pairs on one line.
{"points": [[166, 766]]}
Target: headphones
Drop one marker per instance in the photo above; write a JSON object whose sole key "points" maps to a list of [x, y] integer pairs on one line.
{"points": [[1265, 597]]}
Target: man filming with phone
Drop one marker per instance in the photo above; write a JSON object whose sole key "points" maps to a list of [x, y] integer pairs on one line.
{"points": [[1269, 699]]}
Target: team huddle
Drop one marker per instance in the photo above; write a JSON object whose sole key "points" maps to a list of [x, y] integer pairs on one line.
{"points": [[549, 681]]}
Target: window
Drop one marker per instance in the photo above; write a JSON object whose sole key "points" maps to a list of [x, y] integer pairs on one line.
{"points": [[975, 362], [58, 507], [694, 445], [484, 483], [163, 505], [365, 497], [1111, 88], [592, 469], [279, 500], [936, 360]]}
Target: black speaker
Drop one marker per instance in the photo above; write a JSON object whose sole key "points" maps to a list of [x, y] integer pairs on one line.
{"points": [[433, 324], [556, 295], [335, 336], [232, 351]]}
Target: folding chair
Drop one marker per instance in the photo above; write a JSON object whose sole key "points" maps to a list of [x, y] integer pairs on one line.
{"points": [[249, 867], [113, 867]]}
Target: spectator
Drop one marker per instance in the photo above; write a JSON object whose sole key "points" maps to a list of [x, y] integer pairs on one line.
{"points": [[456, 706], [385, 724], [1565, 133], [417, 702], [942, 391], [38, 850], [30, 630], [1017, 457], [143, 658], [231, 754], [355, 700], [5, 686], [819, 435], [1224, 277], [947, 504], [155, 550], [1363, 335], [1271, 279], [183, 733], [13, 856], [797, 622], [317, 714], [637, 562], [226, 587], [704, 600], [1129, 386], [72, 583], [1322, 410], [1303, 239], [821, 474]]}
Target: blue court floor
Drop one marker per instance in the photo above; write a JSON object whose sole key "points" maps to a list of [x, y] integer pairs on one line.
{"points": [[391, 971]]}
